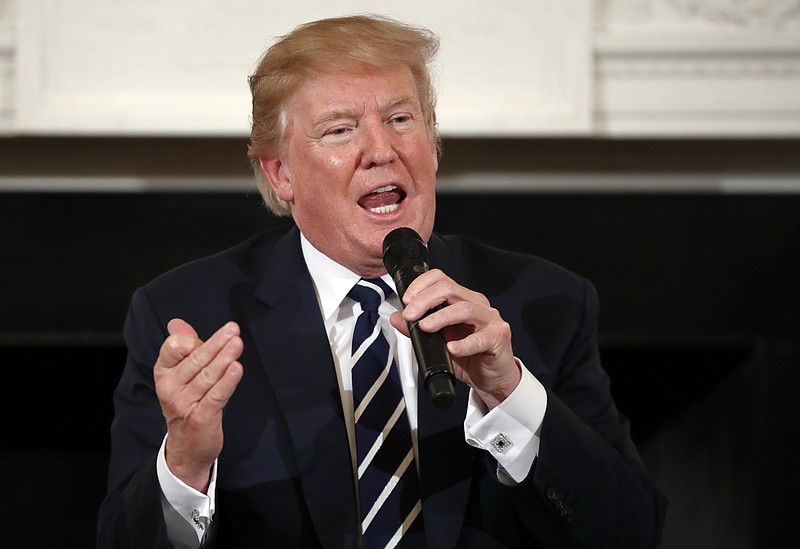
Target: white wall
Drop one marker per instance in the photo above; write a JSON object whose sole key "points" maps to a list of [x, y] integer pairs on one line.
{"points": [[525, 68]]}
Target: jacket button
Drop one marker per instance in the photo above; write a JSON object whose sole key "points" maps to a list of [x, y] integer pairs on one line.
{"points": [[552, 493]]}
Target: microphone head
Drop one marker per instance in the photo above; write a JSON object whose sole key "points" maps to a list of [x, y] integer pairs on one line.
{"points": [[403, 246]]}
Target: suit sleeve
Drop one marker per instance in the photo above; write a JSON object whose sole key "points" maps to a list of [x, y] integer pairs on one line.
{"points": [[131, 515], [588, 487]]}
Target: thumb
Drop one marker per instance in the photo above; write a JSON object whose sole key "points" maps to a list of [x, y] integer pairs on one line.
{"points": [[399, 323], [178, 326]]}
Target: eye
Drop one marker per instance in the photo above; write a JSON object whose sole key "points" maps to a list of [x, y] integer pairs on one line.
{"points": [[337, 131], [401, 118]]}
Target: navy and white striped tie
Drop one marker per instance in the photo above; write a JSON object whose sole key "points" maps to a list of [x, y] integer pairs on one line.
{"points": [[387, 473]]}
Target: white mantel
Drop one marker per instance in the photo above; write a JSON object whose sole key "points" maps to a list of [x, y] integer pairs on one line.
{"points": [[529, 68]]}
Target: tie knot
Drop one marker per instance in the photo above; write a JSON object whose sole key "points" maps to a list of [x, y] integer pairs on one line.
{"points": [[369, 293]]}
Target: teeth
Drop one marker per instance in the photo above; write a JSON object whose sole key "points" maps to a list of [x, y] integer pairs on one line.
{"points": [[385, 209], [387, 188]]}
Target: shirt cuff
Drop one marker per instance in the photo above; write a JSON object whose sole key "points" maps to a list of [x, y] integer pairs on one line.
{"points": [[187, 512], [511, 431]]}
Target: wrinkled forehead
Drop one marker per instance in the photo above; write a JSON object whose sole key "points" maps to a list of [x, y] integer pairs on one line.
{"points": [[351, 92]]}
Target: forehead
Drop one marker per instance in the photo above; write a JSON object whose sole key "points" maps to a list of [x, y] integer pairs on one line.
{"points": [[354, 88]]}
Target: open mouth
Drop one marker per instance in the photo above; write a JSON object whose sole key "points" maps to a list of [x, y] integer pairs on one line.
{"points": [[383, 200]]}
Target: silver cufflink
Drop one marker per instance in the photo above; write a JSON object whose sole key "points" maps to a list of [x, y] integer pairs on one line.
{"points": [[196, 518], [501, 443]]}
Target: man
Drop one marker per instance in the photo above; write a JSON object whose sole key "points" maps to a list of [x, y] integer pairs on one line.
{"points": [[239, 423]]}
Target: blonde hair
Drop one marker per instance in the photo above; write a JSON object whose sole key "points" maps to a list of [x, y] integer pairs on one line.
{"points": [[327, 46]]}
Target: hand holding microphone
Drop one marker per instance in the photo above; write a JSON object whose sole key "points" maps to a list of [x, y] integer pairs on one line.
{"points": [[406, 257], [478, 346]]}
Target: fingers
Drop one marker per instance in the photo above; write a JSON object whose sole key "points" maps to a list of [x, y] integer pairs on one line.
{"points": [[470, 329], [197, 377], [184, 352], [209, 364], [491, 338], [478, 338], [194, 381], [471, 325], [460, 312], [434, 288], [222, 387]]}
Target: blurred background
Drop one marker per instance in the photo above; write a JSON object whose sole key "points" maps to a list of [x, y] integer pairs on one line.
{"points": [[652, 146]]}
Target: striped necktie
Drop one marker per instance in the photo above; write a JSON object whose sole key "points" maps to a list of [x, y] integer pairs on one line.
{"points": [[387, 473]]}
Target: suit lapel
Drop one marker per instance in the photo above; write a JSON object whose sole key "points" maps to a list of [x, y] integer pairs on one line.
{"points": [[300, 368]]}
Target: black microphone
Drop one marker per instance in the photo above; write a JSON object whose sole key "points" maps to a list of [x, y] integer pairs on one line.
{"points": [[406, 257]]}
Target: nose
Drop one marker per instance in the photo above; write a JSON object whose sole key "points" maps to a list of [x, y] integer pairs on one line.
{"points": [[378, 147]]}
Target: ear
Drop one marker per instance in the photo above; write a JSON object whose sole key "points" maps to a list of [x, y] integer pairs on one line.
{"points": [[435, 153], [278, 176]]}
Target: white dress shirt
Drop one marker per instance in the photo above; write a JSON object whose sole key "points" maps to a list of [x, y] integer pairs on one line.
{"points": [[510, 431]]}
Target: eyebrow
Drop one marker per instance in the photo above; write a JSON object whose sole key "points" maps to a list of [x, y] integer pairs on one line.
{"points": [[338, 114], [401, 100]]}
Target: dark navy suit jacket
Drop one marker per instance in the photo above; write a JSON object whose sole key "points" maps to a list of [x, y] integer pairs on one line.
{"points": [[285, 475]]}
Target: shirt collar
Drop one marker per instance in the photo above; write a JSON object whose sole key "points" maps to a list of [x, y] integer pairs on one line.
{"points": [[331, 280]]}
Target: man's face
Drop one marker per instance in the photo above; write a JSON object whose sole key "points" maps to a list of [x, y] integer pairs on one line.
{"points": [[358, 162]]}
